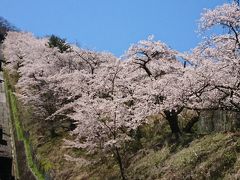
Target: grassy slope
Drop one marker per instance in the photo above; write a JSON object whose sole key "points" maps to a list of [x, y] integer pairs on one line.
{"points": [[211, 156]]}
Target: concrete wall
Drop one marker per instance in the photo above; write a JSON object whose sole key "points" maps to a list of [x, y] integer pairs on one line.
{"points": [[24, 171]]}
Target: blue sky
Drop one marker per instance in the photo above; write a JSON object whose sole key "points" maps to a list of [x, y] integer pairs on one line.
{"points": [[110, 25]]}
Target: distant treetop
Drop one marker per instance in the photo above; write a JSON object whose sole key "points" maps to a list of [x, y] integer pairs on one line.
{"points": [[55, 41], [5, 26]]}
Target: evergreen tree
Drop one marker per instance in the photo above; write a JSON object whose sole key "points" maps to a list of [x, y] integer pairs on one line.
{"points": [[5, 26], [55, 41]]}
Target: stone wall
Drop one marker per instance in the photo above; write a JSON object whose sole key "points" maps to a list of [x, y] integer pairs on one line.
{"points": [[218, 121]]}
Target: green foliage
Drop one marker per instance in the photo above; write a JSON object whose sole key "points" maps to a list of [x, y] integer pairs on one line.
{"points": [[46, 164], [55, 41]]}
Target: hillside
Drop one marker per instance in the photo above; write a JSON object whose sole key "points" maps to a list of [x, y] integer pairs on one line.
{"points": [[155, 156], [154, 113]]}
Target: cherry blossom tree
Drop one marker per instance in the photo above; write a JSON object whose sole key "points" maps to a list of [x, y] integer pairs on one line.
{"points": [[104, 113], [160, 73], [227, 16], [34, 63], [108, 98], [218, 58], [84, 86]]}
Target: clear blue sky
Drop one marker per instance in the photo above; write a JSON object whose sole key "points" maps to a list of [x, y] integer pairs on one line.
{"points": [[111, 25]]}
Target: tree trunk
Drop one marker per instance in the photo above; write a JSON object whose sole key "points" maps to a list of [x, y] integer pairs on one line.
{"points": [[190, 124], [53, 133], [172, 118], [119, 160]]}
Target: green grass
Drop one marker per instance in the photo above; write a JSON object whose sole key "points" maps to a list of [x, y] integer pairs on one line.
{"points": [[215, 156], [20, 135]]}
